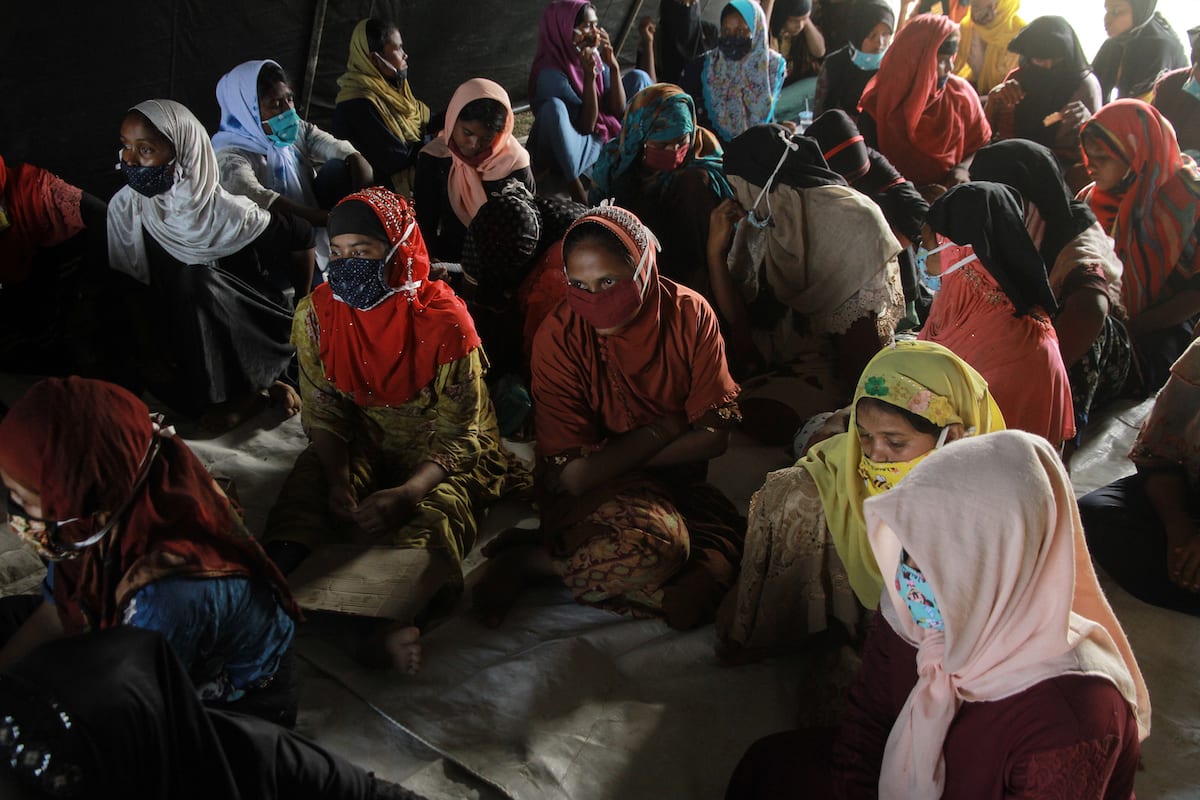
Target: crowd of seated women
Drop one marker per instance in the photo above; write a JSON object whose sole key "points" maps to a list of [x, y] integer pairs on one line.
{"points": [[981, 230]]}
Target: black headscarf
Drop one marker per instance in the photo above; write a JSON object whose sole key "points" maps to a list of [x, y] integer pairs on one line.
{"points": [[681, 36], [754, 154], [1139, 55], [988, 217], [1046, 90], [355, 216], [864, 16], [1033, 171]]}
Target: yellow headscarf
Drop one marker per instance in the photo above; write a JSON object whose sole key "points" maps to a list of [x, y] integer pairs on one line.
{"points": [[404, 115], [997, 62], [924, 378]]}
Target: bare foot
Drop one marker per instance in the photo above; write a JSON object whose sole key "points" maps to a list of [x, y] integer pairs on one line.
{"points": [[223, 417], [393, 646], [285, 397]]}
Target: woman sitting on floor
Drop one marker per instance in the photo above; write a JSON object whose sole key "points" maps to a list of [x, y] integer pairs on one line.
{"points": [[667, 170], [1084, 271], [1049, 96], [218, 330], [281, 162], [404, 453], [807, 561], [1141, 46], [1146, 195], [828, 252], [376, 110], [137, 533], [847, 70], [923, 119], [737, 83], [795, 36], [995, 305], [996, 667], [576, 91], [473, 157], [632, 399], [1144, 530], [1177, 96]]}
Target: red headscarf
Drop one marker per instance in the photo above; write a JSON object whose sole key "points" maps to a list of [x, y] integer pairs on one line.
{"points": [[42, 209], [1153, 221], [80, 443], [669, 360], [923, 130], [384, 356]]}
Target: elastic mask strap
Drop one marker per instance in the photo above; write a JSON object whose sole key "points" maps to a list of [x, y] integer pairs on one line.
{"points": [[409, 284], [958, 265], [761, 222], [939, 248], [941, 440]]}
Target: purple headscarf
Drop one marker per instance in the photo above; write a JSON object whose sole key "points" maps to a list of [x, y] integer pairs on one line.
{"points": [[555, 50]]}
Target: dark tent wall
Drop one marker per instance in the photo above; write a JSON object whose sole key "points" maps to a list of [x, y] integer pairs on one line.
{"points": [[68, 71]]}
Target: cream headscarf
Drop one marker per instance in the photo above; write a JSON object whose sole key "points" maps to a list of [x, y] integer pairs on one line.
{"points": [[993, 525], [404, 115], [196, 221], [921, 377]]}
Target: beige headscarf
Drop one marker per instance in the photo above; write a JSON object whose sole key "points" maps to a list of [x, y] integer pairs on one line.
{"points": [[993, 525], [404, 115]]}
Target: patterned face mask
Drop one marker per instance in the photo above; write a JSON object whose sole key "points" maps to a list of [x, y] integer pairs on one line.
{"points": [[148, 181], [360, 282], [914, 588]]}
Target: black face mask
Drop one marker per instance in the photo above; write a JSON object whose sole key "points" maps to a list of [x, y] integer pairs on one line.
{"points": [[735, 48], [149, 181], [399, 78]]}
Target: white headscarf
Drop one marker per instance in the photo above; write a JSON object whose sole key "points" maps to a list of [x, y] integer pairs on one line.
{"points": [[195, 221], [241, 128]]}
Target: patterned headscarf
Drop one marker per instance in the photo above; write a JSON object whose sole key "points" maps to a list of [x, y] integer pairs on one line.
{"points": [[1154, 221], [659, 113], [739, 94]]}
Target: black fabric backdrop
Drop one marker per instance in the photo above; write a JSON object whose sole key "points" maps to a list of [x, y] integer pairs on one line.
{"points": [[68, 71]]}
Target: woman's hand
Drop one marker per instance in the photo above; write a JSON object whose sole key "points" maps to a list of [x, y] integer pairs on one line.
{"points": [[604, 45], [673, 426], [647, 28], [385, 510], [587, 61], [1075, 114], [1007, 94], [721, 223], [342, 502]]}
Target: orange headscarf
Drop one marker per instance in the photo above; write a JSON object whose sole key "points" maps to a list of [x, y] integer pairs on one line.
{"points": [[467, 176]]}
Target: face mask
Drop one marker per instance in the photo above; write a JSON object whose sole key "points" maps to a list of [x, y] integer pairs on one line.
{"points": [[880, 476], [362, 282], [735, 48], [399, 78], [1192, 86], [664, 160], [148, 181], [934, 282], [866, 61], [616, 305], [913, 587], [285, 128]]}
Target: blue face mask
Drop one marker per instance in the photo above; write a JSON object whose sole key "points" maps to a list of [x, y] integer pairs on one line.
{"points": [[735, 48], [148, 181], [934, 282], [913, 587], [865, 61], [1192, 86], [285, 128]]}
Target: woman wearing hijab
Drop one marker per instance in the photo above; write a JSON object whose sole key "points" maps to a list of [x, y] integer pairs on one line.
{"points": [[923, 119], [474, 157], [267, 153], [846, 71], [795, 36], [667, 170], [807, 562], [995, 305], [1141, 46], [631, 399], [218, 327], [737, 83], [1050, 94], [112, 714], [1084, 271], [376, 110], [404, 453], [682, 35], [576, 90], [984, 57], [1142, 529], [1146, 195], [137, 533], [996, 667], [801, 217], [1177, 96]]}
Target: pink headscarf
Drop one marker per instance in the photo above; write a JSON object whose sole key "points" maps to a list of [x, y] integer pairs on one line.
{"points": [[465, 185], [1015, 585], [555, 50]]}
